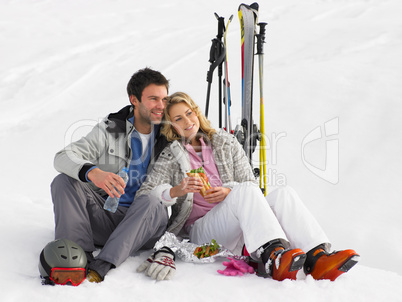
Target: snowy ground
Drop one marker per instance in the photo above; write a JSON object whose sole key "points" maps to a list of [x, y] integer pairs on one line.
{"points": [[65, 65]]}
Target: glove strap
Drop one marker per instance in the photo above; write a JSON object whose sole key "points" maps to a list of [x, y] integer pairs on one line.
{"points": [[165, 249]]}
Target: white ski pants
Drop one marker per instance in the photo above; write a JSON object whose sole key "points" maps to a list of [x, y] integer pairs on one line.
{"points": [[246, 216]]}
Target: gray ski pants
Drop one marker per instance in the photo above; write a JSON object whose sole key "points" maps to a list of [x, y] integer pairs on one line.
{"points": [[80, 217]]}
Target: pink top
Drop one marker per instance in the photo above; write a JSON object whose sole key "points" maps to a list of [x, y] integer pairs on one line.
{"points": [[200, 205]]}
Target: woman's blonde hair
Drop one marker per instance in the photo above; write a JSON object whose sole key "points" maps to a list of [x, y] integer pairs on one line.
{"points": [[168, 129]]}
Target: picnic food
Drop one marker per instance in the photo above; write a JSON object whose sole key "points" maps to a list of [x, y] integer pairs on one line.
{"points": [[207, 250], [200, 173]]}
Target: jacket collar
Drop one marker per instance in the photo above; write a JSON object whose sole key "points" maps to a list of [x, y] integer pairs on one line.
{"points": [[116, 122]]}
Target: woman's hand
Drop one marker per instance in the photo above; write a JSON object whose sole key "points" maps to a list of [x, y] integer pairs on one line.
{"points": [[216, 194], [187, 185]]}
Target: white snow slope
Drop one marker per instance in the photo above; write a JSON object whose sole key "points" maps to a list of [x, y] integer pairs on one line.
{"points": [[334, 63]]}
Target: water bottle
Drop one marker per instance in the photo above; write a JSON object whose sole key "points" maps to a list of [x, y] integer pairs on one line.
{"points": [[112, 203]]}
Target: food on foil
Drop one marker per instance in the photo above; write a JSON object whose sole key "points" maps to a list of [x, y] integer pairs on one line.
{"points": [[184, 249], [207, 250], [200, 173]]}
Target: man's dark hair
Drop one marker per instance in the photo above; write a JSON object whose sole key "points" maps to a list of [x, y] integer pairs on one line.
{"points": [[144, 77]]}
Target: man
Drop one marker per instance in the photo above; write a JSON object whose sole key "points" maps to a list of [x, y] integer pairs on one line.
{"points": [[129, 138]]}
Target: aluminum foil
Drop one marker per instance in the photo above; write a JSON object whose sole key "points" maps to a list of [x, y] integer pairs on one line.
{"points": [[184, 249]]}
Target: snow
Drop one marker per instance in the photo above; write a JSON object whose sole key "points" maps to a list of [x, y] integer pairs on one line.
{"points": [[65, 65]]}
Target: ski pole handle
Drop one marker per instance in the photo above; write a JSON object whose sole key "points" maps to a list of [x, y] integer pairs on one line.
{"points": [[213, 53], [221, 26], [261, 38]]}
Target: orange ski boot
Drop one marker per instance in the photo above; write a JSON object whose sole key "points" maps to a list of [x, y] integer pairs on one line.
{"points": [[323, 265], [281, 263]]}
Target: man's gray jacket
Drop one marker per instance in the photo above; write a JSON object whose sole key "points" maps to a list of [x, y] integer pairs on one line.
{"points": [[107, 146]]}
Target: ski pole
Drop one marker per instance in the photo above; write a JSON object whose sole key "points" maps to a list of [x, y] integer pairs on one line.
{"points": [[228, 124], [221, 29], [216, 57], [260, 53]]}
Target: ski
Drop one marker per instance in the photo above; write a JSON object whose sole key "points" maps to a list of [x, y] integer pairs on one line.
{"points": [[247, 132]]}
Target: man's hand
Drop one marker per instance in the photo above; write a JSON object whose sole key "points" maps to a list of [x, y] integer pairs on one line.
{"points": [[111, 183], [216, 194]]}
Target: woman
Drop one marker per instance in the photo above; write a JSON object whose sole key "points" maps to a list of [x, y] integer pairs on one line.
{"points": [[234, 211]]}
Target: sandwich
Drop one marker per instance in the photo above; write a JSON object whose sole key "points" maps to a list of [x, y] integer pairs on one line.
{"points": [[200, 173]]}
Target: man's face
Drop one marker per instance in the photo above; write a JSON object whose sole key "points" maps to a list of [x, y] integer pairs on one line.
{"points": [[153, 101]]}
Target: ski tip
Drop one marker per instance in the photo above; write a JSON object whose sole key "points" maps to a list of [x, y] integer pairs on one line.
{"points": [[241, 5], [254, 6]]}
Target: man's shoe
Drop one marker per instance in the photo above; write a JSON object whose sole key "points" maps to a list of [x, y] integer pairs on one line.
{"points": [[94, 277], [323, 265]]}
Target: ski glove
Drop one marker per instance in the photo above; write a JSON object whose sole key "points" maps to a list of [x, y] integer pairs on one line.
{"points": [[159, 265], [236, 267]]}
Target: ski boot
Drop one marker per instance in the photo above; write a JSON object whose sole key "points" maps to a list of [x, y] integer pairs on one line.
{"points": [[323, 265], [277, 262], [283, 263]]}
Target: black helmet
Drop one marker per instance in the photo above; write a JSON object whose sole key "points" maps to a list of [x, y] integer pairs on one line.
{"points": [[62, 254]]}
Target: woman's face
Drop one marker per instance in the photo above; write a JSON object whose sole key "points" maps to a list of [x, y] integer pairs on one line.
{"points": [[184, 120]]}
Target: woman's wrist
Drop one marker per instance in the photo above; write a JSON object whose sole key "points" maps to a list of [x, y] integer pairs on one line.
{"points": [[173, 192]]}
